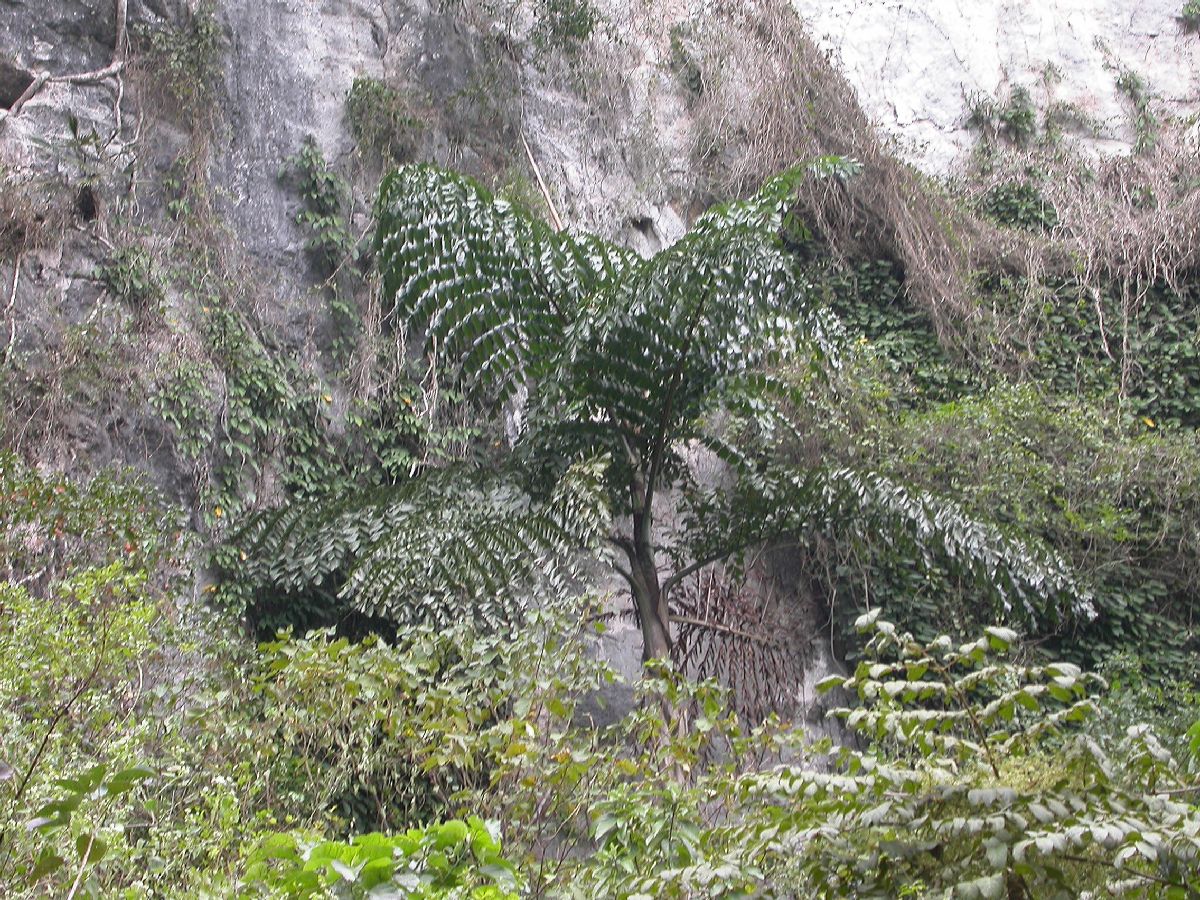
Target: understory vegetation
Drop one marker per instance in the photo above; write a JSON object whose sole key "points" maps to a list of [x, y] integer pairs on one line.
{"points": [[894, 483], [152, 753]]}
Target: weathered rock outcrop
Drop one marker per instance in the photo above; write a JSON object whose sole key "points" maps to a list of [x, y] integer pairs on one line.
{"points": [[918, 67]]}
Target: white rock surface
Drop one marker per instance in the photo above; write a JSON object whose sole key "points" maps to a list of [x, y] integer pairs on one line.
{"points": [[916, 63]]}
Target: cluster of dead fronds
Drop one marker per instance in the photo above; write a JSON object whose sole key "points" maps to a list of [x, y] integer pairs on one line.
{"points": [[735, 632]]}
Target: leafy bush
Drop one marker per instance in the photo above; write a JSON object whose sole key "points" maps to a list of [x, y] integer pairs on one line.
{"points": [[870, 299], [1019, 204], [185, 402], [1190, 14], [326, 196], [1117, 501], [974, 773], [129, 276], [183, 63], [981, 781], [683, 64], [381, 121], [1145, 121], [450, 859], [1018, 118], [563, 25], [1015, 118]]}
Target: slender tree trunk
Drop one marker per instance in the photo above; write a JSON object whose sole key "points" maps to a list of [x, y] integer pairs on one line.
{"points": [[647, 593]]}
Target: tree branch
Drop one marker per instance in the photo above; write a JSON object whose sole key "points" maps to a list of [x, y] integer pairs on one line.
{"points": [[716, 556], [112, 70], [537, 173]]}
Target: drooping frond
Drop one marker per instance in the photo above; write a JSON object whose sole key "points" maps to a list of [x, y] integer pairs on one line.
{"points": [[437, 550], [491, 289], [1032, 583], [1020, 579]]}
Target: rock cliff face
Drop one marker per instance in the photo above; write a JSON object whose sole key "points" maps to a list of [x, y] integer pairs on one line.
{"points": [[141, 143], [919, 66]]}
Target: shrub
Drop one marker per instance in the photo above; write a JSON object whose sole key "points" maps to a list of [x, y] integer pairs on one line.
{"points": [[380, 121], [1190, 14], [182, 66], [129, 276], [563, 25], [453, 859], [1019, 204], [325, 195]]}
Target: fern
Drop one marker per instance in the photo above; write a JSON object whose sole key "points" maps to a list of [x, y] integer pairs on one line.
{"points": [[437, 550], [611, 356], [491, 288]]}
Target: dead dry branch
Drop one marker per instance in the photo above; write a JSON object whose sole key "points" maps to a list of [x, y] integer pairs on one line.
{"points": [[786, 103]]}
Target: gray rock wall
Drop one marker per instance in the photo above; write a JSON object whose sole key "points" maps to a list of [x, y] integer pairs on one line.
{"points": [[917, 65]]}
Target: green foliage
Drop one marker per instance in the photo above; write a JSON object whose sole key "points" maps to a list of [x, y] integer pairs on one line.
{"points": [[1190, 14], [1015, 118], [129, 276], [947, 797], [1019, 204], [869, 299], [189, 198], [1145, 122], [436, 550], [272, 412], [184, 401], [1117, 507], [325, 195], [1140, 695], [451, 859], [257, 392], [1031, 583], [137, 759], [380, 119], [1018, 118], [1093, 343], [408, 427], [94, 750], [55, 527], [683, 63], [563, 25], [185, 64], [54, 821], [629, 360], [570, 317], [326, 767]]}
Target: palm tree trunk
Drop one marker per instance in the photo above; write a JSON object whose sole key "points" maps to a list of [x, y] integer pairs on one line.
{"points": [[648, 594]]}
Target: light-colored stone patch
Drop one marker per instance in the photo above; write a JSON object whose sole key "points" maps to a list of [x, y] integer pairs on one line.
{"points": [[915, 65]]}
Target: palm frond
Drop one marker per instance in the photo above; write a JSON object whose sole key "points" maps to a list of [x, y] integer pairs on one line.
{"points": [[1032, 583], [490, 288], [449, 546], [1024, 580]]}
